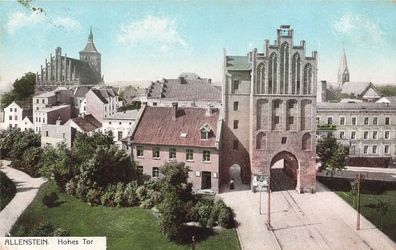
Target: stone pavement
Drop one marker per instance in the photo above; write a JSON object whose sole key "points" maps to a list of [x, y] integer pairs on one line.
{"points": [[27, 188], [302, 221]]}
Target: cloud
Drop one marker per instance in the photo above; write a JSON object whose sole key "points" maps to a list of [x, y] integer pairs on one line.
{"points": [[151, 31], [359, 29], [20, 20]]}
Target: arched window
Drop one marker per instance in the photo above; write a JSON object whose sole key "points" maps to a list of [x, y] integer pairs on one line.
{"points": [[261, 141], [307, 79], [284, 68], [306, 142], [296, 75], [260, 79], [272, 73]]}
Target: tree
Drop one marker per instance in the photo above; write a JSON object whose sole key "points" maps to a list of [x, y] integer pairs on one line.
{"points": [[23, 89], [332, 155], [58, 164], [85, 146], [176, 192]]}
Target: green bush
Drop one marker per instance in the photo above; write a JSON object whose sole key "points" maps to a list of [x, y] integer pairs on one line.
{"points": [[94, 196], [119, 198], [107, 199], [142, 193], [50, 199], [130, 194], [7, 190]]}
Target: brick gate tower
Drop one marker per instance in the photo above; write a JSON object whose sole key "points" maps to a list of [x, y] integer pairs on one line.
{"points": [[269, 111]]}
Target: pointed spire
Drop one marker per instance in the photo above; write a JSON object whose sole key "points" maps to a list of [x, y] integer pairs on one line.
{"points": [[343, 71], [90, 37]]}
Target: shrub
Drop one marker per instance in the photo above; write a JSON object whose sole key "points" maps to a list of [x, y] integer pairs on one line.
{"points": [[94, 196], [107, 199], [141, 193], [50, 200], [204, 208], [61, 232], [71, 186], [130, 194], [224, 215], [119, 194]]}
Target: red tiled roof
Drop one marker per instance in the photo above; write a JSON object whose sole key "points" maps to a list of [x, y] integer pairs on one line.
{"points": [[88, 123], [156, 127]]}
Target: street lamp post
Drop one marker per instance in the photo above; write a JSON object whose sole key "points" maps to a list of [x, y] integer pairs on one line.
{"points": [[359, 179], [269, 205]]}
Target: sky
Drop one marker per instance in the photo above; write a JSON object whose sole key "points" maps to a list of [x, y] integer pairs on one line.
{"points": [[149, 40]]}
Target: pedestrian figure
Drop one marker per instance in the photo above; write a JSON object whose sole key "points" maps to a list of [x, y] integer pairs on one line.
{"points": [[232, 183]]}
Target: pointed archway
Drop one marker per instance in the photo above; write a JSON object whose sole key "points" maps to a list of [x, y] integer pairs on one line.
{"points": [[284, 171]]}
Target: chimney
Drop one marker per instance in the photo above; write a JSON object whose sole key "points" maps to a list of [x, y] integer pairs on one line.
{"points": [[209, 110], [174, 110], [83, 115], [210, 81]]}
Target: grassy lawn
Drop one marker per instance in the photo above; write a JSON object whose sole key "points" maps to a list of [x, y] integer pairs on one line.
{"points": [[125, 228], [7, 190], [371, 193]]}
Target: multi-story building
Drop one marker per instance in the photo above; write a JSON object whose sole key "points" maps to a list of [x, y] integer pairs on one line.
{"points": [[55, 134], [62, 70], [189, 90], [179, 134], [101, 103], [18, 114], [269, 101], [120, 124], [51, 115], [367, 129]]}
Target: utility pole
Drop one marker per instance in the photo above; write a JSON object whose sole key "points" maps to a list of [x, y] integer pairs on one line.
{"points": [[359, 179], [269, 205]]}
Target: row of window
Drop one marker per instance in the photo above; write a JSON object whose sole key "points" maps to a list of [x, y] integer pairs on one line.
{"points": [[38, 119], [366, 120], [374, 149], [10, 118], [38, 100], [120, 123], [172, 154], [13, 109], [366, 135]]}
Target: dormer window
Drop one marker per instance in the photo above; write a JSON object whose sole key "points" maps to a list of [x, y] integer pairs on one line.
{"points": [[205, 130]]}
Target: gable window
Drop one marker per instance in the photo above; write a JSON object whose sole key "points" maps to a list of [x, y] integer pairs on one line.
{"points": [[206, 156], [353, 120], [10, 109], [156, 153], [155, 172], [140, 151], [205, 130], [342, 120], [366, 120], [189, 155], [375, 121], [387, 120], [172, 154], [236, 124], [236, 106], [365, 135]]}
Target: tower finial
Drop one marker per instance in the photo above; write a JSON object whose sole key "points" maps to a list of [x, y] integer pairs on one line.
{"points": [[90, 37]]}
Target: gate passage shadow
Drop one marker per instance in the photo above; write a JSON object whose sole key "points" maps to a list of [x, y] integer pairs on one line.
{"points": [[280, 181]]}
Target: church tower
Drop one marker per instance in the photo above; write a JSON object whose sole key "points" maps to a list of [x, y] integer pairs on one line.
{"points": [[343, 71], [91, 55]]}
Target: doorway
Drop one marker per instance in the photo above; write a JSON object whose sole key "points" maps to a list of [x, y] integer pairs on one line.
{"points": [[206, 180]]}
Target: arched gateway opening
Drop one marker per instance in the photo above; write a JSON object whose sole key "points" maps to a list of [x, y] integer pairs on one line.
{"points": [[284, 171]]}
